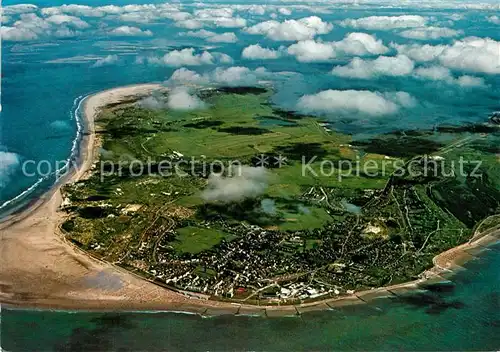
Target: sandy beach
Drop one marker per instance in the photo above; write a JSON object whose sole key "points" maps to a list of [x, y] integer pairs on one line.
{"points": [[39, 269]]}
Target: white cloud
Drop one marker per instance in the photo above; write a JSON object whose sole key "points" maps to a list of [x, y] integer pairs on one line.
{"points": [[400, 65], [470, 54], [256, 52], [430, 33], [77, 10], [153, 102], [361, 44], [242, 183], [188, 57], [189, 24], [214, 12], [355, 101], [106, 61], [284, 11], [225, 22], [212, 37], [227, 37], [202, 33], [310, 50], [9, 163], [493, 19], [70, 20], [470, 81], [420, 53], [17, 34], [384, 23], [353, 44], [440, 73], [130, 31], [232, 76], [20, 8], [473, 54], [434, 73], [181, 99], [290, 30]]}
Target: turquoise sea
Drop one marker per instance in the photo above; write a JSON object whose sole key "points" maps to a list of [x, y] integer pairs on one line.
{"points": [[45, 76]]}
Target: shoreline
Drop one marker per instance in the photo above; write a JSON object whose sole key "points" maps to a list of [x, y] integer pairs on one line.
{"points": [[39, 269]]}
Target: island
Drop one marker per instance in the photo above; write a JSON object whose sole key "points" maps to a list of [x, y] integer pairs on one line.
{"points": [[237, 203]]}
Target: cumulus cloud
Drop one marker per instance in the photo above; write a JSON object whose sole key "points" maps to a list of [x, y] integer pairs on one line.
{"points": [[77, 10], [399, 65], [284, 11], [181, 99], [361, 44], [153, 102], [225, 22], [243, 182], [66, 19], [189, 57], [290, 30], [420, 53], [493, 19], [440, 73], [256, 52], [470, 54], [30, 26], [227, 37], [434, 73], [213, 37], [384, 23], [355, 101], [353, 44], [470, 81], [189, 24], [17, 34], [310, 50], [473, 54], [128, 31], [19, 8], [430, 33], [9, 164], [231, 76], [106, 61]]}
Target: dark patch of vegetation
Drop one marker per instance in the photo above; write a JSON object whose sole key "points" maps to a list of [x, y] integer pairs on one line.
{"points": [[204, 124], [469, 202], [399, 146], [298, 150], [410, 133], [486, 147], [96, 198], [471, 128], [242, 90], [289, 115], [121, 103], [68, 225], [248, 211], [94, 212], [117, 132], [243, 130]]}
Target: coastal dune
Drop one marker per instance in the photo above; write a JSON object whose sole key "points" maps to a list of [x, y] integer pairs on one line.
{"points": [[38, 268]]}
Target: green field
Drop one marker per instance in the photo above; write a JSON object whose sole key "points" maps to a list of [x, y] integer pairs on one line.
{"points": [[357, 228], [196, 239]]}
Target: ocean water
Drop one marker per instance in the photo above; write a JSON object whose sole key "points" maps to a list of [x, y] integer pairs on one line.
{"points": [[44, 79], [465, 316]]}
